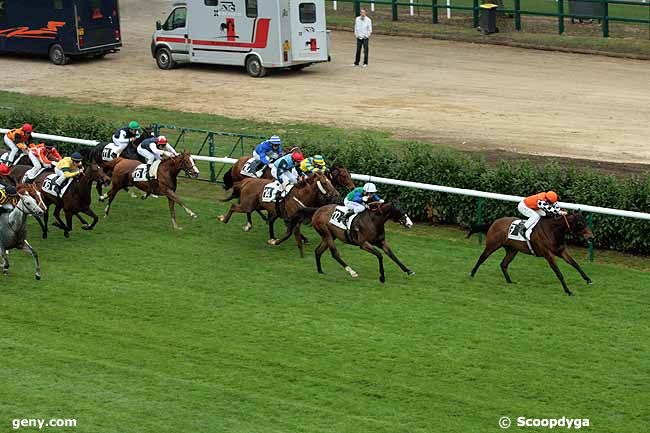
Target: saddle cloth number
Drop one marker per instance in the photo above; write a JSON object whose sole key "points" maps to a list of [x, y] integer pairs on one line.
{"points": [[49, 186], [338, 216], [270, 192], [249, 168], [515, 231], [140, 173], [107, 153]]}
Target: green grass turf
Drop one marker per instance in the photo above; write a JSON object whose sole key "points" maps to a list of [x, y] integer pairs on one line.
{"points": [[136, 328]]}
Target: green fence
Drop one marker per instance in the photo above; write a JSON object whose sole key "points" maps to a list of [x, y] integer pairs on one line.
{"points": [[640, 15], [209, 143]]}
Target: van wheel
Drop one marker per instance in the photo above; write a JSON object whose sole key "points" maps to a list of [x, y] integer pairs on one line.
{"points": [[57, 56], [164, 59], [254, 67]]}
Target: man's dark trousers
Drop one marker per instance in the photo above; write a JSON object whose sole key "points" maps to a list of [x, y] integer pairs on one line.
{"points": [[362, 43]]}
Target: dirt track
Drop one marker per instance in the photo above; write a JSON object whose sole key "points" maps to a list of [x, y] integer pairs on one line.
{"points": [[465, 95]]}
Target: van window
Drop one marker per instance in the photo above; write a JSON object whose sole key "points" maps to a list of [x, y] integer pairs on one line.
{"points": [[307, 13], [176, 19], [58, 5], [251, 8], [96, 12], [212, 2]]}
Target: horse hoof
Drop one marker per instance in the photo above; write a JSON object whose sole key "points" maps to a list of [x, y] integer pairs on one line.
{"points": [[271, 242], [305, 241], [193, 215], [221, 218], [411, 273], [86, 227], [248, 227], [569, 293], [382, 279], [66, 234], [590, 282], [44, 235], [38, 277]]}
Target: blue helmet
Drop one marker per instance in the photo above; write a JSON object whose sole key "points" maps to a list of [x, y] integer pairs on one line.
{"points": [[76, 156], [275, 141]]}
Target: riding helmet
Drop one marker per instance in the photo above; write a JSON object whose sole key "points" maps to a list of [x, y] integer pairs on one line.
{"points": [[76, 156]]}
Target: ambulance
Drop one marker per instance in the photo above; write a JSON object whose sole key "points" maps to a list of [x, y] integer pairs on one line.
{"points": [[257, 34]]}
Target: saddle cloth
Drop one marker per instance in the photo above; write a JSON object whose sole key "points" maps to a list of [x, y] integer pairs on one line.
{"points": [[338, 215], [26, 179], [49, 186], [250, 168], [140, 172], [109, 152], [517, 232], [271, 191]]}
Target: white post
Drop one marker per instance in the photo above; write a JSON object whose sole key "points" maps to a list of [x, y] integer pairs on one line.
{"points": [[411, 8], [372, 6], [334, 5], [448, 10]]}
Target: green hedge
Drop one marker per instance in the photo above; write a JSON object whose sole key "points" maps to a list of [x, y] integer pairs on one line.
{"points": [[417, 162]]}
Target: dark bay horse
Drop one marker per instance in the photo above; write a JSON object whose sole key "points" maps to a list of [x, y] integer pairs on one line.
{"points": [[548, 240], [369, 233], [165, 184], [76, 200], [312, 191]]}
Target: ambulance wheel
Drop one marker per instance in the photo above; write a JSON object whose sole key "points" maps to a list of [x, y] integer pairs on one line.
{"points": [[254, 67], [57, 55], [164, 59]]}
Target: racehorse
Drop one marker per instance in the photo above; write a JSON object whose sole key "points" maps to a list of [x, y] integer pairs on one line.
{"points": [[367, 233], [165, 184], [548, 240], [313, 191], [13, 227], [95, 155], [75, 201]]}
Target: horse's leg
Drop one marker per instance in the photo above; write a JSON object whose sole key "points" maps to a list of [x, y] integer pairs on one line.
{"points": [[249, 222], [29, 250], [336, 256], [81, 220], [271, 222], [319, 252], [259, 212], [233, 208], [115, 188], [172, 195], [510, 255], [57, 216], [5, 260], [366, 246], [172, 212], [490, 247], [100, 191], [46, 218], [91, 214], [68, 221], [550, 258], [393, 257], [43, 226], [567, 258]]}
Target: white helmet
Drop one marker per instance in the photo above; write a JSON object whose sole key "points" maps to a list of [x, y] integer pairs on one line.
{"points": [[370, 188]]}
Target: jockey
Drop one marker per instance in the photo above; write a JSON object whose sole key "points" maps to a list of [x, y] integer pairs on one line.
{"points": [[537, 206], [8, 196], [154, 148], [126, 135], [268, 151], [38, 155], [356, 201], [283, 169], [313, 164], [67, 168], [17, 138]]}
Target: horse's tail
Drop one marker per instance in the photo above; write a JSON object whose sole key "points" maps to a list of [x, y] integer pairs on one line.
{"points": [[236, 191], [228, 180], [479, 228]]}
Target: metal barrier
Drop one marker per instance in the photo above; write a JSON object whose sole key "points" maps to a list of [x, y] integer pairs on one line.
{"points": [[517, 11]]}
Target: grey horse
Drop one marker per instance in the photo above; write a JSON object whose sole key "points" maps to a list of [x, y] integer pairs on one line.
{"points": [[13, 230]]}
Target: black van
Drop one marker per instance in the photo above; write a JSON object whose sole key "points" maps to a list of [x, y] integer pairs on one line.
{"points": [[60, 28]]}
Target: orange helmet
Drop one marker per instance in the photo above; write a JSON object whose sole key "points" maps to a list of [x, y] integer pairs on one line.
{"points": [[552, 196]]}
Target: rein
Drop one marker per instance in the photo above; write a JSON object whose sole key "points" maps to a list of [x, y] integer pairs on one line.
{"points": [[566, 220]]}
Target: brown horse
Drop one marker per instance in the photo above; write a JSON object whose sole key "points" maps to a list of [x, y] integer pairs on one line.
{"points": [[165, 184], [75, 201], [548, 240], [368, 233], [312, 191]]}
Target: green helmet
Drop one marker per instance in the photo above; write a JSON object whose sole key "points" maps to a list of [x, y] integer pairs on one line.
{"points": [[134, 125]]}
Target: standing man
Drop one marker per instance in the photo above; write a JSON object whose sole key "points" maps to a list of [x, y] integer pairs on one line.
{"points": [[362, 31]]}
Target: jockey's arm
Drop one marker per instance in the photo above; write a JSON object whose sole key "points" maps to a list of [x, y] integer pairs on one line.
{"points": [[70, 172], [171, 150]]}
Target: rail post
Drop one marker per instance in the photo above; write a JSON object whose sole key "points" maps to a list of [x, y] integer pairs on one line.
{"points": [[434, 11], [560, 16], [590, 223], [357, 8], [475, 10], [518, 15], [605, 24], [211, 152], [394, 7], [479, 217]]}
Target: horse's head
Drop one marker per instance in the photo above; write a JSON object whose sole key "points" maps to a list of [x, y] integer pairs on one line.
{"points": [[393, 211], [34, 193], [97, 174], [29, 205], [578, 225], [324, 188], [186, 163], [340, 176]]}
